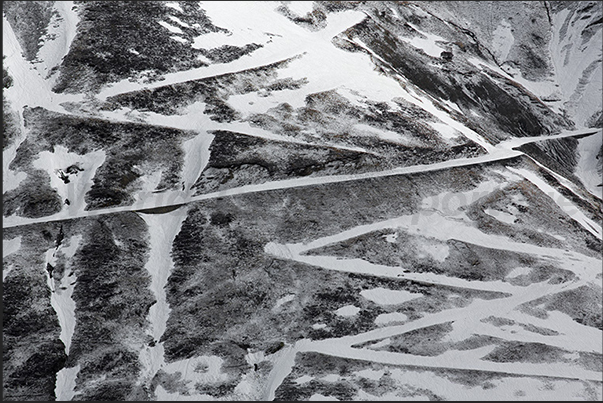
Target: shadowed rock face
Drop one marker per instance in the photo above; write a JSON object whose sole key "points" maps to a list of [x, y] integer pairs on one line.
{"points": [[301, 201]]}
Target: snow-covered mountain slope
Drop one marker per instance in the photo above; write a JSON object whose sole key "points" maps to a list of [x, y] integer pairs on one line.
{"points": [[302, 200]]}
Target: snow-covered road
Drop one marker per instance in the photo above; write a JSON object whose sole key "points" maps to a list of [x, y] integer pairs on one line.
{"points": [[502, 151]]}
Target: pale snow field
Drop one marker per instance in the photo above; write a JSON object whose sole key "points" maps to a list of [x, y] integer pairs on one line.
{"points": [[65, 384], [386, 135], [426, 42], [11, 179], [519, 271], [586, 170], [384, 296], [58, 39], [504, 388], [320, 63], [318, 397], [573, 61], [451, 105], [370, 374], [173, 29], [283, 300], [391, 238], [178, 39], [162, 228], [303, 379], [179, 21], [437, 250], [29, 88], [502, 216], [80, 183], [175, 6], [148, 182], [301, 8], [61, 299], [502, 41], [8, 247], [347, 311], [391, 317], [62, 302]]}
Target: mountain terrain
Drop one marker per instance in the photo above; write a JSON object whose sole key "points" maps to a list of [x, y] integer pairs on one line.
{"points": [[292, 200]]}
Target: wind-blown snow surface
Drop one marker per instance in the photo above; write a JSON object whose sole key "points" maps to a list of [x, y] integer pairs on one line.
{"points": [[303, 201]]}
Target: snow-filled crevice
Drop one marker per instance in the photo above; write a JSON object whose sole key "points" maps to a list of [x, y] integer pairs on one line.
{"points": [[163, 228], [62, 302]]}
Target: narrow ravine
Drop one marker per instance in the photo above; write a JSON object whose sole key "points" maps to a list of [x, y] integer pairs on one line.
{"points": [[163, 228], [62, 302]]}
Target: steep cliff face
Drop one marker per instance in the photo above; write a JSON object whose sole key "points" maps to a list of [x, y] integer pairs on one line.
{"points": [[302, 200]]}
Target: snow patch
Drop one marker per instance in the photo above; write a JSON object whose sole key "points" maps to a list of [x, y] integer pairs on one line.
{"points": [[8, 247], [162, 228], [11, 179], [178, 39], [171, 28], [303, 379], [301, 8], [436, 250], [203, 369], [502, 216], [577, 65], [391, 238], [587, 169], [179, 21], [347, 311], [196, 157], [504, 388], [58, 39], [283, 300], [65, 383], [385, 342], [451, 105], [386, 135], [64, 305], [370, 374], [29, 88], [62, 302], [519, 271], [384, 296], [79, 183], [175, 6], [318, 397], [391, 317], [447, 132], [502, 41], [330, 378], [426, 42]]}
